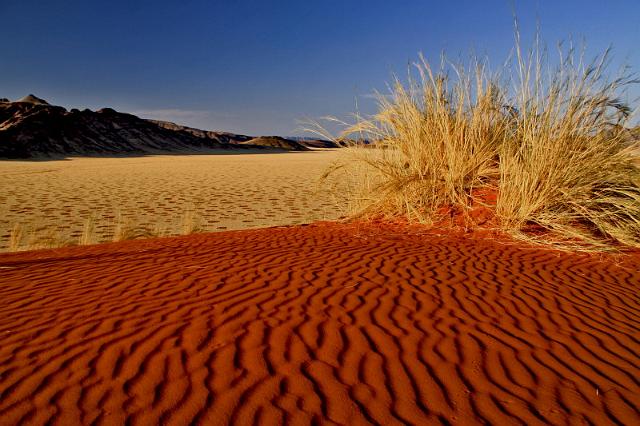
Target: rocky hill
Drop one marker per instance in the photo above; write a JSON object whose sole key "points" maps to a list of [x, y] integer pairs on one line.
{"points": [[223, 137], [32, 128], [276, 142], [315, 142]]}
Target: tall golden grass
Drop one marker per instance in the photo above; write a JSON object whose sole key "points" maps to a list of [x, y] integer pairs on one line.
{"points": [[551, 140], [568, 165]]}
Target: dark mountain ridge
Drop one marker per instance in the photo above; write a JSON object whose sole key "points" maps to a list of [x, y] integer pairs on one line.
{"points": [[276, 142], [32, 128]]}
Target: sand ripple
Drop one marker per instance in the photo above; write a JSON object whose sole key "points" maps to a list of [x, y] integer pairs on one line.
{"points": [[332, 324]]}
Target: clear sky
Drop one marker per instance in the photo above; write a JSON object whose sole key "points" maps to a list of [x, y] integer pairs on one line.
{"points": [[256, 67]]}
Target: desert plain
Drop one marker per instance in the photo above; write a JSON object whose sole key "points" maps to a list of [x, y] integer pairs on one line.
{"points": [[51, 201]]}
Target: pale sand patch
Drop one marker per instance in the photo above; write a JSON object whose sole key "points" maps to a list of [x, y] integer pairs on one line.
{"points": [[230, 191]]}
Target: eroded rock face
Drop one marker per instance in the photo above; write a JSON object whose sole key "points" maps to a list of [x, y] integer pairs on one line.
{"points": [[31, 128]]}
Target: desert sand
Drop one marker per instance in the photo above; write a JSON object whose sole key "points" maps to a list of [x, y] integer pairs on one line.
{"points": [[320, 324], [223, 191]]}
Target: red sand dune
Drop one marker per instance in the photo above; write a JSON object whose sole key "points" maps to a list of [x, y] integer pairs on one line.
{"points": [[332, 324]]}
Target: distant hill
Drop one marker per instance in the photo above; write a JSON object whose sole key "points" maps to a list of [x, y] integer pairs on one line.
{"points": [[32, 128], [32, 99], [315, 142], [276, 142], [223, 137]]}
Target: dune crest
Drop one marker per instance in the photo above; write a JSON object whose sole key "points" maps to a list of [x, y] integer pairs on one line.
{"points": [[329, 323]]}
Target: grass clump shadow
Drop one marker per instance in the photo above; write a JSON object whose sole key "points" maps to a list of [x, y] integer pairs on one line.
{"points": [[547, 149]]}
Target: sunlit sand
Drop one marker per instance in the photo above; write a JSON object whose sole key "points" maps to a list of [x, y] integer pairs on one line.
{"points": [[225, 191]]}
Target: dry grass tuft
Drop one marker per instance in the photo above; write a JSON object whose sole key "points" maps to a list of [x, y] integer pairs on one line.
{"points": [[435, 145], [192, 222], [551, 142], [15, 238], [568, 165], [124, 229], [35, 238], [88, 231]]}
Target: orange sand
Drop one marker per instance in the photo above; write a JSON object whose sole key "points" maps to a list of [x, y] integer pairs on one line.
{"points": [[333, 324]]}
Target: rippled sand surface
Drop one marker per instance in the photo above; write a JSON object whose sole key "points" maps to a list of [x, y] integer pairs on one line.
{"points": [[223, 191], [336, 324]]}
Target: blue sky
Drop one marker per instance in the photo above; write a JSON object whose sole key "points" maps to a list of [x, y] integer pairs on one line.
{"points": [[257, 67]]}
